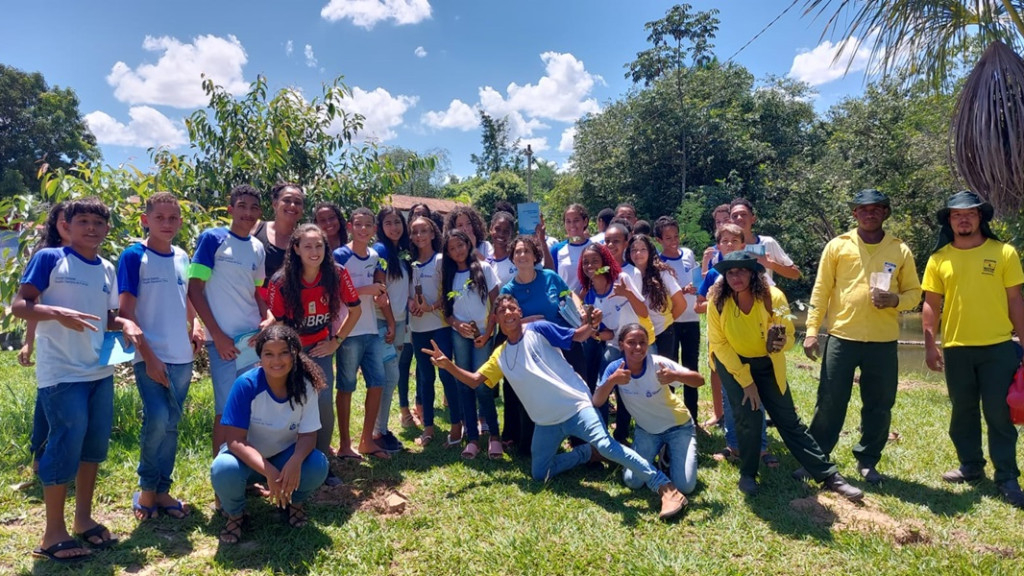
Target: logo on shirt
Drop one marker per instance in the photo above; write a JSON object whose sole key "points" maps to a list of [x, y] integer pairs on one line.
{"points": [[106, 288], [181, 281], [253, 266], [889, 267], [293, 426], [988, 267], [311, 309]]}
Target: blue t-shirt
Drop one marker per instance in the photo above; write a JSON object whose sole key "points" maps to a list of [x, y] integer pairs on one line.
{"points": [[273, 424], [709, 281], [65, 278], [542, 296], [157, 281], [566, 256]]}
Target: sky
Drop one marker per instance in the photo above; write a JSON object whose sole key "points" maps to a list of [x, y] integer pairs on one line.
{"points": [[419, 70]]}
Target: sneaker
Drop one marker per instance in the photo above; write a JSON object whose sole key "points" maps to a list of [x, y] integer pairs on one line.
{"points": [[672, 501], [332, 480], [837, 484], [960, 475], [389, 442], [869, 474], [748, 485], [1011, 492]]}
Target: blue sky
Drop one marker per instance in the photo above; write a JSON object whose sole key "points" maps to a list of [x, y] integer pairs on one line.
{"points": [[418, 69]]}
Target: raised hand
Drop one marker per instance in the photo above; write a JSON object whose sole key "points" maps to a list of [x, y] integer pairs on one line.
{"points": [[665, 375], [620, 376], [437, 358]]}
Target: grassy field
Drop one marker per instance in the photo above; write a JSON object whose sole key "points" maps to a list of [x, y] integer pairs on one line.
{"points": [[488, 517]]}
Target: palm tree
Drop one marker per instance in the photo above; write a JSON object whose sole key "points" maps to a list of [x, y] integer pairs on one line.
{"points": [[924, 39]]}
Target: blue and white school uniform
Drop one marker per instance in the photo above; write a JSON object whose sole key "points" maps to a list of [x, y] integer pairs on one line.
{"points": [[566, 256], [363, 348]]}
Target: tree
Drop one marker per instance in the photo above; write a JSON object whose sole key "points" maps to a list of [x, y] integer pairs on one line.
{"points": [[40, 128], [663, 56], [499, 152], [426, 176]]}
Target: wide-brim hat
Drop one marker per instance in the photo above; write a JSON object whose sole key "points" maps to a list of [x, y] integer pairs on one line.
{"points": [[869, 196], [739, 259], [965, 200]]}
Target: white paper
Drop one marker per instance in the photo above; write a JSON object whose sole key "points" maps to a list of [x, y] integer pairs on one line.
{"points": [[880, 280], [246, 354], [528, 216]]}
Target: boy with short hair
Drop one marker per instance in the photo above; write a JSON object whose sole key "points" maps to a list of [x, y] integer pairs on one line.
{"points": [[223, 287], [364, 347], [153, 294], [71, 292]]}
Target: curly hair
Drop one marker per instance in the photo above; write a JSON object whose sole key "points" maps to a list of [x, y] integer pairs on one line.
{"points": [[394, 249], [475, 221], [606, 261], [531, 245], [435, 243], [303, 367], [758, 287], [653, 288], [289, 277], [449, 267]]}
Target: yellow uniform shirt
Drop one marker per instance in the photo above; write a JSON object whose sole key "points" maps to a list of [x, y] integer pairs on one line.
{"points": [[973, 284], [841, 298], [732, 334]]}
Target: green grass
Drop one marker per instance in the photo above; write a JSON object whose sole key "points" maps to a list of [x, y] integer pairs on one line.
{"points": [[484, 517]]}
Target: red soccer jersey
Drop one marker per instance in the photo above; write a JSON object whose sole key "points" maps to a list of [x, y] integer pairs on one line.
{"points": [[314, 325]]}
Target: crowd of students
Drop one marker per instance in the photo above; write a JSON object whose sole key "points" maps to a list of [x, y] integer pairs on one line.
{"points": [[288, 310]]}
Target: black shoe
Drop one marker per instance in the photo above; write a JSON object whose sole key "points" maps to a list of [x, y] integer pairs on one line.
{"points": [[801, 475], [1012, 494], [748, 485], [331, 481], [869, 474], [960, 475], [389, 442], [837, 484]]}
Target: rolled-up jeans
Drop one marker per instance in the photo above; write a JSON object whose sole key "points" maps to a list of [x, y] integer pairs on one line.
{"points": [[229, 476], [392, 353]]}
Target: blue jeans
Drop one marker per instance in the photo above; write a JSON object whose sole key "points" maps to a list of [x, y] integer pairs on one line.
{"points": [[730, 426], [230, 476], [681, 445], [425, 374], [364, 351], [391, 353], [223, 374], [40, 430], [587, 426], [324, 400], [469, 357], [81, 415], [161, 411], [404, 365]]}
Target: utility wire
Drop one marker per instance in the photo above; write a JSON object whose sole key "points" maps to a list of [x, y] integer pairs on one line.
{"points": [[763, 30]]}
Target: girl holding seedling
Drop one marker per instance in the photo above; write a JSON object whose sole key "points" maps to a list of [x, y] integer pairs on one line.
{"points": [[469, 287], [394, 250]]}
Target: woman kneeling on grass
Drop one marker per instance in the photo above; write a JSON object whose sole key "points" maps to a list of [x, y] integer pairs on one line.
{"points": [[271, 420], [749, 356], [662, 419]]}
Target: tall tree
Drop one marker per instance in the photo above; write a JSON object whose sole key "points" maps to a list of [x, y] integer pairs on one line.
{"points": [[499, 152], [679, 39], [40, 128]]}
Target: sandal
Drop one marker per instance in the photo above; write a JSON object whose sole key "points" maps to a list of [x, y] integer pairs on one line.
{"points": [[179, 510], [407, 420], [232, 532], [495, 450], [726, 455], [67, 545], [424, 439], [770, 460], [141, 511], [102, 536], [453, 442], [294, 515], [470, 451]]}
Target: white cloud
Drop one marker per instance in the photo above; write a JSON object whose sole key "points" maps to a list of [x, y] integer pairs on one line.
{"points": [[382, 111], [310, 57], [289, 47], [175, 80], [536, 144], [568, 139], [367, 13], [816, 66], [148, 127], [420, 52], [561, 94], [458, 115]]}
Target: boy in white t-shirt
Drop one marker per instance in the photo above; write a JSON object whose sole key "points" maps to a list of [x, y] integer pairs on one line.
{"points": [[153, 294], [556, 398], [774, 258], [223, 280], [71, 292]]}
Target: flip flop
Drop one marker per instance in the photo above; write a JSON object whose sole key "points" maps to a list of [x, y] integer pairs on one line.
{"points": [[726, 455], [380, 454], [424, 440], [344, 457], [97, 532], [470, 451], [148, 512], [453, 442], [51, 552], [770, 460], [177, 508], [495, 451]]}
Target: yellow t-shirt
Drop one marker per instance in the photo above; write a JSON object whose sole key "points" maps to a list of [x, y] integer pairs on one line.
{"points": [[732, 334], [973, 285]]}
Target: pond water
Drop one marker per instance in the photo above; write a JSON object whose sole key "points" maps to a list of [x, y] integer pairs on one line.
{"points": [[911, 348]]}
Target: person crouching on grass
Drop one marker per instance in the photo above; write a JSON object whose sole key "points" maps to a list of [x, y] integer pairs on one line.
{"points": [[556, 398]]}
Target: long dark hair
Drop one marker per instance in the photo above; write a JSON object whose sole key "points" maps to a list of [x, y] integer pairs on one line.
{"points": [[289, 277], [342, 229], [449, 268], [51, 233], [394, 260], [606, 260], [653, 288], [758, 287], [303, 367], [475, 220], [435, 244]]}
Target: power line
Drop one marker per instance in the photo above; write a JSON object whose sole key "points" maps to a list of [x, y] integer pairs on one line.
{"points": [[763, 30]]}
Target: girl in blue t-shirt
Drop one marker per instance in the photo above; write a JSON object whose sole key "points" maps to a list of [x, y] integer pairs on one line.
{"points": [[469, 286], [270, 424]]}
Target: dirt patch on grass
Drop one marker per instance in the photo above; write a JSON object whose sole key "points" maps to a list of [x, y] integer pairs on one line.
{"points": [[962, 539], [384, 497], [914, 384], [839, 514]]}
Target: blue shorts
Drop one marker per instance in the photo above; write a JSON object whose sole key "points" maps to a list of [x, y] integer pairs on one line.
{"points": [[365, 351], [81, 415], [223, 374]]}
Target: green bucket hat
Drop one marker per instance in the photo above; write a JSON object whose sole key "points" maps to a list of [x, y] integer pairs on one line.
{"points": [[739, 259], [963, 200], [869, 196]]}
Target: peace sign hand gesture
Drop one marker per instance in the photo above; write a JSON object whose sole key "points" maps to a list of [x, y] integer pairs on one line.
{"points": [[437, 358]]}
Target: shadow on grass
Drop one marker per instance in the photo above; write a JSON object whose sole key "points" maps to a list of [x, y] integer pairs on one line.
{"points": [[938, 501], [270, 545]]}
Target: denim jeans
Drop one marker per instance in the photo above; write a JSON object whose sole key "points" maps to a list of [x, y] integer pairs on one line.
{"points": [[681, 444], [81, 415], [324, 401], [161, 411], [223, 374], [729, 425], [587, 426], [469, 357], [230, 476], [623, 419], [425, 374], [40, 429], [364, 351], [404, 366], [391, 353]]}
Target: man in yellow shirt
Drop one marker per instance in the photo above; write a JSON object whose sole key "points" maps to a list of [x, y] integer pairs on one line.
{"points": [[974, 281], [865, 279]]}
